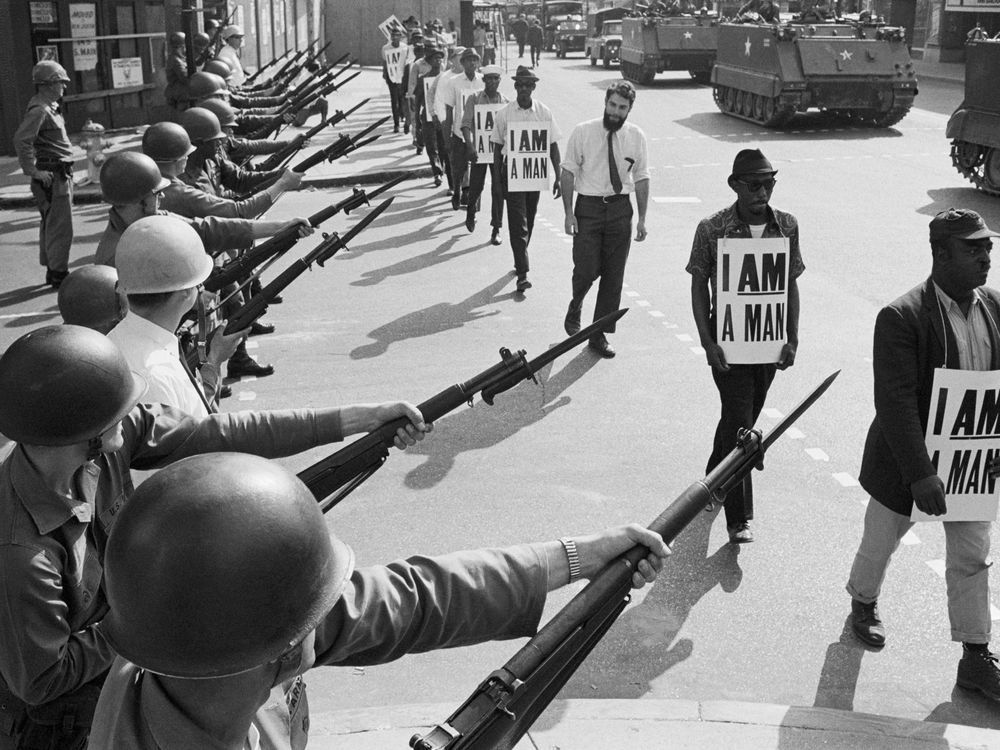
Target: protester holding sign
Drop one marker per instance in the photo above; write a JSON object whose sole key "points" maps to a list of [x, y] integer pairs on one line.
{"points": [[606, 161], [526, 133], [437, 153], [742, 387], [950, 321], [395, 57], [461, 89], [477, 127]]}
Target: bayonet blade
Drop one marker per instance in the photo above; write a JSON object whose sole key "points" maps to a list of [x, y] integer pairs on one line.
{"points": [[797, 412], [575, 340]]}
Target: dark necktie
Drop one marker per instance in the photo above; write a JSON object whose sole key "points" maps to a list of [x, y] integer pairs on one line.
{"points": [[616, 180]]}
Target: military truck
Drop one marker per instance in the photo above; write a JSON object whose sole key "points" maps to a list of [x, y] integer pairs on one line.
{"points": [[653, 44], [860, 72], [974, 128], [604, 36], [571, 36]]}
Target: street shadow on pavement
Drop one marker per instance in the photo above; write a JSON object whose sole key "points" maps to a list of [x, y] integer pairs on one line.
{"points": [[965, 707], [440, 254], [643, 644], [24, 293], [804, 127], [838, 679], [485, 426], [444, 316], [963, 197]]}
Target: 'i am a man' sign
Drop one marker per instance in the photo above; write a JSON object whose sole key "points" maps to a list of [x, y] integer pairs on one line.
{"points": [[963, 437], [751, 305], [483, 116], [528, 156]]}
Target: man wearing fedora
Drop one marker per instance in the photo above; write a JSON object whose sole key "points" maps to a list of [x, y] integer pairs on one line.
{"points": [[949, 321], [462, 88], [523, 205], [606, 161], [742, 387]]}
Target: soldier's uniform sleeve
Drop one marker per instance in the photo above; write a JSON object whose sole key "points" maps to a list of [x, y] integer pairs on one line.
{"points": [[24, 139], [424, 603], [219, 234], [193, 203], [242, 148], [243, 181]]}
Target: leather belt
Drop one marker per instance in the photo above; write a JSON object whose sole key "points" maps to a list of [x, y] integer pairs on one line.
{"points": [[607, 198]]}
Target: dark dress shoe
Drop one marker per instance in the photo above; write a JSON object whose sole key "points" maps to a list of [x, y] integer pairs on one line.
{"points": [[437, 181], [261, 329], [740, 533], [978, 671], [454, 202], [572, 321], [495, 237], [866, 624], [600, 345], [523, 284], [244, 366], [470, 223], [225, 391]]}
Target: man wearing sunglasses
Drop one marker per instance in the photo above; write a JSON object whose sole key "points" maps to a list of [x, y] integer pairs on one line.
{"points": [[949, 321], [742, 387]]}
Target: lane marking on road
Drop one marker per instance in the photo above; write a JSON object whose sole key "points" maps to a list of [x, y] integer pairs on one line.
{"points": [[684, 337], [12, 316], [632, 293], [253, 345], [676, 199], [794, 433], [668, 324], [642, 303], [656, 313], [817, 454], [845, 479], [246, 396], [698, 350], [994, 612], [937, 566], [247, 379], [771, 413], [909, 538]]}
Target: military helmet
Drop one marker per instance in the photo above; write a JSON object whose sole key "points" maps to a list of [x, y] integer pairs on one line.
{"points": [[176, 38], [217, 67], [90, 297], [202, 40], [219, 563], [223, 110], [161, 254], [64, 385], [201, 125], [166, 142], [202, 85], [49, 71], [128, 177]]}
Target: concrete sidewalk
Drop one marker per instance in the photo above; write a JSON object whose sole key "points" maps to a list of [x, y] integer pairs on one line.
{"points": [[583, 724]]}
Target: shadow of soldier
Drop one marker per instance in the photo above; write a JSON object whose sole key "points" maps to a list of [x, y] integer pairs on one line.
{"points": [[485, 426], [440, 254], [643, 644], [838, 679], [438, 318]]}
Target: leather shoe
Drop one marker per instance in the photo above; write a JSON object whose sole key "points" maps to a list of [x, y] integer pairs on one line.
{"points": [[470, 223], [261, 329], [240, 367], [600, 345], [740, 533], [523, 284], [495, 237], [225, 391], [978, 671], [572, 321], [866, 624], [437, 181]]}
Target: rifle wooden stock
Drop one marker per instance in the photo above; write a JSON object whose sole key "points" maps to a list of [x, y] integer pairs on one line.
{"points": [[336, 476], [508, 701]]}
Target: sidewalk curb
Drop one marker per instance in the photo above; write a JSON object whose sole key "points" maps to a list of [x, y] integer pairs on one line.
{"points": [[588, 724], [89, 195]]}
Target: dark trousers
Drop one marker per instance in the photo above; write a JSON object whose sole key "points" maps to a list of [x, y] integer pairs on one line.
{"points": [[477, 182], [742, 391], [459, 164], [521, 210], [397, 100], [55, 234], [536, 55], [437, 150], [600, 250], [520, 47]]}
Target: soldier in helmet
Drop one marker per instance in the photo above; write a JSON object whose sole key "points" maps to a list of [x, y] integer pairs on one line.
{"points": [[176, 91], [46, 156], [202, 42], [90, 297], [205, 86], [241, 150], [71, 405], [237, 97], [221, 615]]}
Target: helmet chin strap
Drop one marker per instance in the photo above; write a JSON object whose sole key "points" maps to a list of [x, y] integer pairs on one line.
{"points": [[94, 446]]}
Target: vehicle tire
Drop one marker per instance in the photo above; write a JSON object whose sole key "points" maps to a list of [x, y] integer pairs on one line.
{"points": [[593, 62], [991, 169], [606, 60], [646, 76], [563, 50]]}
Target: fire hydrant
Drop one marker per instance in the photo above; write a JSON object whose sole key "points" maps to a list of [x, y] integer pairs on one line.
{"points": [[93, 142]]}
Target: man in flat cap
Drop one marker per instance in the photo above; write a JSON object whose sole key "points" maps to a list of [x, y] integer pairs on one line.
{"points": [[229, 53], [949, 321], [742, 387]]}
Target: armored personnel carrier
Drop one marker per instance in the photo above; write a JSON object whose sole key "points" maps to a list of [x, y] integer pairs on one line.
{"points": [[767, 73], [975, 126], [653, 44]]}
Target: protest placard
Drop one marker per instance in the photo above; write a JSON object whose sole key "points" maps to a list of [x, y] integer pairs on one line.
{"points": [[428, 110], [528, 156], [395, 61], [751, 305], [963, 436], [389, 24], [483, 116]]}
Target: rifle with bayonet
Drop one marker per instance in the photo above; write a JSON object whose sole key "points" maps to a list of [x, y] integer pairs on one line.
{"points": [[279, 244], [324, 92], [344, 145], [273, 61], [245, 316], [290, 108], [280, 76], [213, 44], [507, 702], [336, 476], [280, 157]]}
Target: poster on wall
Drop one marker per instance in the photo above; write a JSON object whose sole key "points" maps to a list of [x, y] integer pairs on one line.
{"points": [[126, 72], [46, 52], [43, 14], [83, 23]]}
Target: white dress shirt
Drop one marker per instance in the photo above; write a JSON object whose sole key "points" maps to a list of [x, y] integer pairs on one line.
{"points": [[586, 158]]}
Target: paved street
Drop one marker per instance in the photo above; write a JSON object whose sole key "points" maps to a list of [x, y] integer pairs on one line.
{"points": [[419, 304]]}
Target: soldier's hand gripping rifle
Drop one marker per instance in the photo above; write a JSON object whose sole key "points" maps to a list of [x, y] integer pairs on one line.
{"points": [[277, 245], [331, 244], [506, 704], [344, 145], [280, 157], [336, 476]]}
